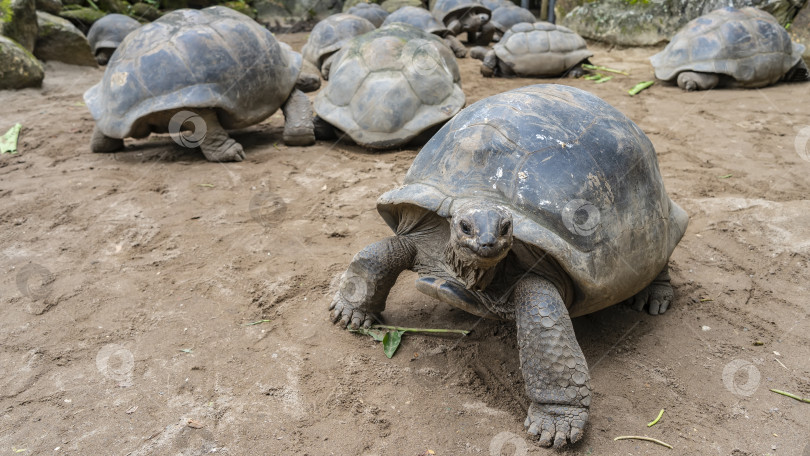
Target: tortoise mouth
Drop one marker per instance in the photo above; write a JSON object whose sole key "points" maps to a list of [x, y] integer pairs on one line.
{"points": [[486, 252]]}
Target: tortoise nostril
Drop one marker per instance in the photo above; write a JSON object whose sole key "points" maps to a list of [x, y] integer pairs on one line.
{"points": [[486, 240]]}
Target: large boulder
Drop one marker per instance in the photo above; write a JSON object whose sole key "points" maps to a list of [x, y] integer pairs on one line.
{"points": [[293, 11], [18, 21], [81, 16], [649, 23], [60, 40], [800, 30], [49, 6], [393, 5], [18, 68], [347, 4]]}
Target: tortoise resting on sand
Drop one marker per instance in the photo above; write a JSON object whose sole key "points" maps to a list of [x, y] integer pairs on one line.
{"points": [[329, 35], [534, 205], [423, 20], [541, 49], [215, 69], [107, 33], [389, 86], [731, 47]]}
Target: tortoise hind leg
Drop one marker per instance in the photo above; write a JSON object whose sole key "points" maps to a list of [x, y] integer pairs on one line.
{"points": [[100, 143], [216, 144], [657, 296], [299, 129], [555, 370], [691, 81]]}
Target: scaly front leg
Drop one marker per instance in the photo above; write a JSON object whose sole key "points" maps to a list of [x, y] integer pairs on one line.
{"points": [[555, 370], [365, 285]]}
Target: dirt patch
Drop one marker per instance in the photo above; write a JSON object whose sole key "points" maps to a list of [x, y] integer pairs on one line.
{"points": [[129, 279]]}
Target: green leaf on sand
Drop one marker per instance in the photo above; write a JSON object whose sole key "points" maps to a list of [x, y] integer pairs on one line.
{"points": [[256, 322], [639, 87], [725, 176], [8, 142], [391, 342], [186, 350]]}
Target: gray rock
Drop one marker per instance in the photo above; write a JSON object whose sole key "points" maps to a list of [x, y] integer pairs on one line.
{"points": [[60, 40], [393, 5], [800, 31], [18, 21], [289, 12], [145, 11], [49, 6], [644, 24], [18, 68]]}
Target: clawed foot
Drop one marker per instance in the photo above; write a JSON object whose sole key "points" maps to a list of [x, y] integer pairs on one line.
{"points": [[228, 151], [346, 308], [656, 298], [556, 424]]}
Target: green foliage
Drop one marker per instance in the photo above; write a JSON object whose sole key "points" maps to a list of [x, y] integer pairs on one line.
{"points": [[5, 11]]}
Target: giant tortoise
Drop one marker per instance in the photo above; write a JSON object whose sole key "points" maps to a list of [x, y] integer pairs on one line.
{"points": [[371, 12], [329, 35], [389, 86], [213, 68], [422, 19], [535, 206], [106, 34], [731, 47], [469, 16], [541, 49]]}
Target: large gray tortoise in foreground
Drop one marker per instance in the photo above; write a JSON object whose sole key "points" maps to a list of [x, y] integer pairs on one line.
{"points": [[535, 206], [107, 33], [731, 47], [388, 86], [215, 69]]}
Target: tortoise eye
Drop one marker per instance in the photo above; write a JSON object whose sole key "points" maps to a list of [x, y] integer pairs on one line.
{"points": [[465, 228], [505, 229]]}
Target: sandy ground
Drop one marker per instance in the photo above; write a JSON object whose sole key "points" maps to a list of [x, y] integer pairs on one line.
{"points": [[129, 279]]}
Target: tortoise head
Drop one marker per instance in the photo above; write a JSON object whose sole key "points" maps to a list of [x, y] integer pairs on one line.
{"points": [[473, 21], [480, 237]]}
